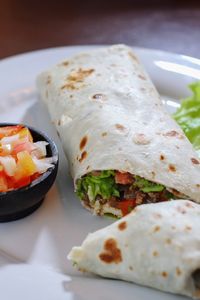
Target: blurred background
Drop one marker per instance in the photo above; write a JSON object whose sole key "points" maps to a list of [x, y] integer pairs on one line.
{"points": [[27, 25]]}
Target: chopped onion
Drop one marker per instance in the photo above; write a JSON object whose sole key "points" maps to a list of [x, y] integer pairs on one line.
{"points": [[40, 149], [9, 139], [7, 148], [42, 165], [9, 164], [52, 159]]}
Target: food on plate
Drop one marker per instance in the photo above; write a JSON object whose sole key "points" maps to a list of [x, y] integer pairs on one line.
{"points": [[156, 245], [21, 159], [188, 116], [123, 148], [121, 191]]}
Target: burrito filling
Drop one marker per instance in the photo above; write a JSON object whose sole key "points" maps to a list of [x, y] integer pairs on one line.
{"points": [[118, 193]]}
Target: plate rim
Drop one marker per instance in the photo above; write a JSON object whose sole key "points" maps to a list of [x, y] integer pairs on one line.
{"points": [[137, 48]]}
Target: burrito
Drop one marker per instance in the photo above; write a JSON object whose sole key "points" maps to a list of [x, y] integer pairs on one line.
{"points": [[123, 148], [156, 245]]}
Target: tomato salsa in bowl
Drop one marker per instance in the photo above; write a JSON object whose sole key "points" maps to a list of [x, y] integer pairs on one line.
{"points": [[28, 168]]}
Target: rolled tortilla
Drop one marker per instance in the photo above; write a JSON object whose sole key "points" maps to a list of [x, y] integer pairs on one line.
{"points": [[110, 117], [156, 245]]}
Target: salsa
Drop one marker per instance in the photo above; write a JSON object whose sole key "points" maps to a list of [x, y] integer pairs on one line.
{"points": [[21, 159]]}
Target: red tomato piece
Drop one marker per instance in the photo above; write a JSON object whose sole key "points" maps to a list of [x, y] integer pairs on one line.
{"points": [[35, 176], [22, 146], [23, 181], [126, 206], [10, 182], [3, 181], [9, 130], [123, 178]]}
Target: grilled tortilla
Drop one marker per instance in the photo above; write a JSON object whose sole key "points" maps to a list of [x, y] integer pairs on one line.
{"points": [[156, 245], [123, 148]]}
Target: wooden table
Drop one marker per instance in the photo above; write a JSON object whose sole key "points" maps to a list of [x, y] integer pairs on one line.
{"points": [[27, 25]]}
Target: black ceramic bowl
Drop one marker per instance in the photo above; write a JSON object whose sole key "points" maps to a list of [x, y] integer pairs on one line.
{"points": [[21, 202]]}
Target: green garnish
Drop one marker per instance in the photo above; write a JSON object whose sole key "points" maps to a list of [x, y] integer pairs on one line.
{"points": [[103, 185], [170, 195], [147, 186], [111, 216], [188, 116]]}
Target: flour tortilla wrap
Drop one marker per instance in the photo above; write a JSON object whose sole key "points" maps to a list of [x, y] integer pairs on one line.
{"points": [[110, 117], [156, 245]]}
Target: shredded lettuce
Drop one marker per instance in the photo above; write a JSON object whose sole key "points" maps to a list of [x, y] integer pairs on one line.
{"points": [[103, 185], [147, 186], [188, 116]]}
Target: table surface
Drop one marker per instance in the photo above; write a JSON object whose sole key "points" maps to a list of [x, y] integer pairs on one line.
{"points": [[167, 25]]}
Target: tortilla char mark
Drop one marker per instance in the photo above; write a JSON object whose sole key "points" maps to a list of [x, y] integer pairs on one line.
{"points": [[48, 79], [142, 77], [172, 168], [104, 134], [83, 156], [195, 161], [122, 225], [76, 79], [133, 57], [80, 75], [64, 63], [112, 254], [83, 142], [174, 133], [164, 274], [141, 139], [181, 210], [120, 127], [162, 157], [156, 229], [99, 97]]}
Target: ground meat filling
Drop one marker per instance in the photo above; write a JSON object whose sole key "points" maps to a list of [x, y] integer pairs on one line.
{"points": [[130, 195], [127, 192]]}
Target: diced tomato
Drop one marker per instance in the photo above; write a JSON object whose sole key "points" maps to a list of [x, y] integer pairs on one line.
{"points": [[23, 145], [3, 181], [10, 182], [16, 183], [123, 178], [35, 176], [126, 206], [22, 182], [9, 130]]}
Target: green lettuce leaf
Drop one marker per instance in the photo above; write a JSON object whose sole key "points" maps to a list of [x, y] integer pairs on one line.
{"points": [[188, 116], [147, 186], [103, 185]]}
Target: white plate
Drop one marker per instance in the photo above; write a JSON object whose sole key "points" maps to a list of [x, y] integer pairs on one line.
{"points": [[33, 250]]}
